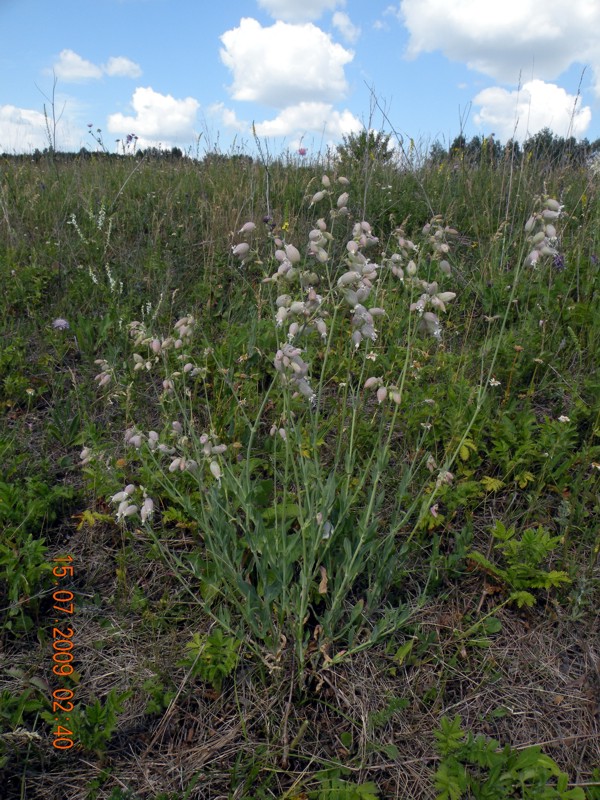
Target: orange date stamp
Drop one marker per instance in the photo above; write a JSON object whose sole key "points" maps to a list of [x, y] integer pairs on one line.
{"points": [[62, 646]]}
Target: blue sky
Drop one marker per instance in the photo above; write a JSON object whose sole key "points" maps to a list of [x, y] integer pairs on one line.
{"points": [[197, 75]]}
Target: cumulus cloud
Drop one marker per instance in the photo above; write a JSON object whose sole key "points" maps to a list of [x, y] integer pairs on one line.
{"points": [[23, 130], [284, 64], [541, 39], [159, 118], [298, 10], [344, 25], [228, 117], [303, 117], [537, 105], [122, 67], [73, 68]]}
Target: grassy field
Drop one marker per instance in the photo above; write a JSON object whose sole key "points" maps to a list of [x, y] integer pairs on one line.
{"points": [[300, 473]]}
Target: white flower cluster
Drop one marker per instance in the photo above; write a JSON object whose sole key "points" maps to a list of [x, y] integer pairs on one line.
{"points": [[293, 369], [209, 445], [127, 508], [304, 314], [104, 377], [541, 232], [403, 266], [182, 333]]}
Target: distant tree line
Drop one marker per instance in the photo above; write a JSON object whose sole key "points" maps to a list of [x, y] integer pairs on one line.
{"points": [[543, 146], [150, 153], [376, 147]]}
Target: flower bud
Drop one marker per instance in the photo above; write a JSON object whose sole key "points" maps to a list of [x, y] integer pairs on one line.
{"points": [[342, 199]]}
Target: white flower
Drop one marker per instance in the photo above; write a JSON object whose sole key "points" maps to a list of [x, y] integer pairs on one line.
{"points": [[563, 418], [494, 382], [147, 509]]}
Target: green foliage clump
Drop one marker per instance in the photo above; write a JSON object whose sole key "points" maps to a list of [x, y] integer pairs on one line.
{"points": [[474, 766], [525, 559]]}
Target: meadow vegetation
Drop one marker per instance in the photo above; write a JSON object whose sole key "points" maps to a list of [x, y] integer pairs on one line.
{"points": [[322, 439]]}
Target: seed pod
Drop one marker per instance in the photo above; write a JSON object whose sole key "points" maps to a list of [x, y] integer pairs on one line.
{"points": [[241, 250], [325, 181], [446, 297], [552, 204], [342, 200], [370, 383], [119, 497], [292, 253], [348, 278]]}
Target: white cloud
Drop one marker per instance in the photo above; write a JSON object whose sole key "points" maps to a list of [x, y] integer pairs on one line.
{"points": [[314, 117], [538, 39], [121, 67], [228, 117], [523, 113], [23, 130], [344, 25], [159, 118], [298, 10], [284, 64], [71, 67]]}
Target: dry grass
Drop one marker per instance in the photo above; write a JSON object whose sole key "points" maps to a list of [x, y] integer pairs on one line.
{"points": [[535, 682]]}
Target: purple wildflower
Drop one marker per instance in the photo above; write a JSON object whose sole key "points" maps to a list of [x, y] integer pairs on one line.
{"points": [[60, 324]]}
